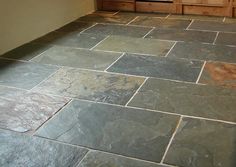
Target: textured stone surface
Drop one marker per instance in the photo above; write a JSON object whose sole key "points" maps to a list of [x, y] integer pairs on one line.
{"points": [[226, 38], [196, 17], [188, 99], [17, 150], [75, 27], [89, 85], [201, 143], [130, 132]]}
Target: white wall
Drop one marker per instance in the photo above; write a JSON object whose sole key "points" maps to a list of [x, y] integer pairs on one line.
{"points": [[22, 21]]}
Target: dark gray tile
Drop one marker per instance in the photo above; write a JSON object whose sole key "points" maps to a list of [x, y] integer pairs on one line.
{"points": [[18, 150], [135, 45], [99, 159], [130, 132], [183, 35], [213, 26], [76, 40], [90, 85], [196, 17], [160, 67], [118, 30], [23, 75], [80, 58], [75, 27], [147, 21], [226, 39], [201, 143], [24, 111], [26, 52], [204, 52], [187, 99]]}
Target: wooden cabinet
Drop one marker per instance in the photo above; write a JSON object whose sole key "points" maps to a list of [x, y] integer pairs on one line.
{"points": [[123, 5], [206, 2]]}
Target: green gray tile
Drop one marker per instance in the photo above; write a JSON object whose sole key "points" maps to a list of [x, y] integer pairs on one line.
{"points": [[90, 85], [75, 27], [201, 143], [135, 45], [196, 17], [80, 58], [26, 52], [183, 35], [160, 67], [132, 31], [18, 150], [226, 39], [129, 132], [204, 52], [213, 26], [23, 75], [99, 159], [147, 21], [187, 99]]}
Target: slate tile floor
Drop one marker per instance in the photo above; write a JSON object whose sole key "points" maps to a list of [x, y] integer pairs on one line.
{"points": [[122, 89]]}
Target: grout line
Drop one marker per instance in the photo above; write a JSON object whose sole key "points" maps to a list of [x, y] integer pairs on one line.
{"points": [[114, 62], [99, 43], [224, 19], [31, 60], [171, 140], [132, 20], [201, 72], [170, 49], [217, 34], [211, 31], [148, 32], [136, 91], [190, 24], [116, 13], [167, 16], [78, 163], [88, 28]]}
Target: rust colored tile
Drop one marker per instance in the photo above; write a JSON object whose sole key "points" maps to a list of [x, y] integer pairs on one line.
{"points": [[219, 74]]}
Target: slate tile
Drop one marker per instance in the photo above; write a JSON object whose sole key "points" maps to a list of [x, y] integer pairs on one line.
{"points": [[226, 39], [201, 143], [187, 99], [19, 150], [153, 14], [190, 50], [160, 67], [183, 35], [75, 27], [216, 73], [23, 75], [135, 45], [196, 17], [90, 85], [80, 58], [147, 21], [129, 132], [230, 20], [122, 30]]}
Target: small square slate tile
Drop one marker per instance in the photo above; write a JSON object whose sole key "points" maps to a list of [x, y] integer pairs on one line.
{"points": [[98, 159], [90, 85], [201, 143], [187, 99], [129, 132], [219, 74], [226, 38], [196, 17], [160, 67], [80, 58], [135, 45], [118, 30], [26, 52], [23, 75], [24, 111], [76, 40], [200, 51], [183, 35], [213, 26], [75, 27], [18, 150]]}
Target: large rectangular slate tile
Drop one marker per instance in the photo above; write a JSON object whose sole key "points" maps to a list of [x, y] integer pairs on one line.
{"points": [[222, 74], [23, 75], [24, 111], [80, 58], [226, 39], [98, 159], [129, 132], [76, 40], [183, 35], [90, 85], [187, 99], [26, 52], [118, 30], [18, 150], [75, 27], [200, 51], [135, 45], [201, 143], [213, 26], [160, 67], [196, 17], [153, 14], [230, 20]]}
